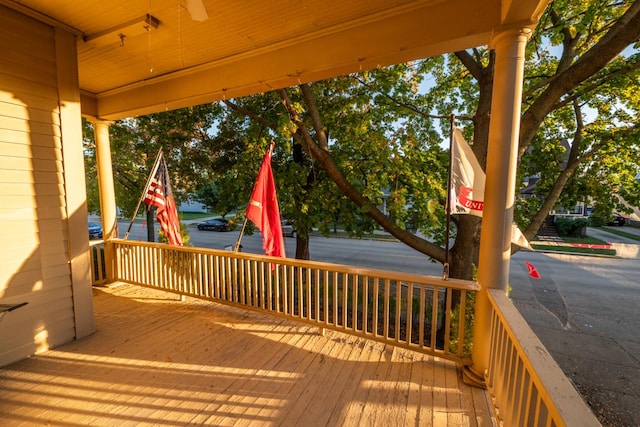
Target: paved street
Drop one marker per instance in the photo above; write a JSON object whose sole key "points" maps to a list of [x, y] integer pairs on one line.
{"points": [[583, 308]]}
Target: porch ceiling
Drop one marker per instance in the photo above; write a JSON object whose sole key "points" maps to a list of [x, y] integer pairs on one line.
{"points": [[249, 47]]}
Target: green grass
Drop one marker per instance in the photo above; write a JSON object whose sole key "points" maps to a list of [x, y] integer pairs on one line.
{"points": [[340, 233], [586, 240], [620, 233], [577, 250], [572, 249], [186, 216]]}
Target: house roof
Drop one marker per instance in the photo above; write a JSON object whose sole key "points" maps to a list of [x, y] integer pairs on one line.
{"points": [[142, 56]]}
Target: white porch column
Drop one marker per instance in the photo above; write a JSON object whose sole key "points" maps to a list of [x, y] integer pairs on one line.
{"points": [[495, 238], [105, 180]]}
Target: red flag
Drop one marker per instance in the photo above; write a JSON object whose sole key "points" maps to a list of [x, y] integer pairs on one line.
{"points": [[159, 194], [263, 209], [533, 272]]}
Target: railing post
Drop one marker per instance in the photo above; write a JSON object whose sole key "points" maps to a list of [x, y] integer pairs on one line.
{"points": [[109, 262], [495, 239]]}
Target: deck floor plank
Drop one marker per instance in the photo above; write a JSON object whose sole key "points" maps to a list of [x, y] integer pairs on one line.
{"points": [[295, 363], [379, 398], [158, 360], [327, 396], [249, 402], [370, 363], [304, 394], [347, 393]]}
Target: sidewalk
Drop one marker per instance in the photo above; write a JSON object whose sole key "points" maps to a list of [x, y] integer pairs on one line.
{"points": [[624, 247]]}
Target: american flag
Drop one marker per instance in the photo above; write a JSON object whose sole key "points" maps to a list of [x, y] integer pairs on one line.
{"points": [[159, 194]]}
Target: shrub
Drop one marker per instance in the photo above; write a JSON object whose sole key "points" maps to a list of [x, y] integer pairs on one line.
{"points": [[598, 220], [571, 227]]}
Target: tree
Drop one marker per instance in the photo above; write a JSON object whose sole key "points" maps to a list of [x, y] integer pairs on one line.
{"points": [[182, 134], [581, 84], [361, 130]]}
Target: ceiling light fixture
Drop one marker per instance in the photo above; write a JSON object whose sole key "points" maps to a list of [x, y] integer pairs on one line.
{"points": [[117, 34]]}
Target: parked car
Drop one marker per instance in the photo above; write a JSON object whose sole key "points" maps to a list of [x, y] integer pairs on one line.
{"points": [[617, 220], [95, 230], [214, 225], [287, 228]]}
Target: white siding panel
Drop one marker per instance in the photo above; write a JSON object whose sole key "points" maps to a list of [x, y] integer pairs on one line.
{"points": [[25, 124], [15, 110], [39, 202], [34, 261], [36, 189], [26, 164], [45, 335], [24, 176]]}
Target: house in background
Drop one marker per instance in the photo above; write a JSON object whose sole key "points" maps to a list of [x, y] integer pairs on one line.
{"points": [[191, 205]]}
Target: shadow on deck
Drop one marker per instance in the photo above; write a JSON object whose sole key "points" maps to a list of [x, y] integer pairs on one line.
{"points": [[157, 360]]}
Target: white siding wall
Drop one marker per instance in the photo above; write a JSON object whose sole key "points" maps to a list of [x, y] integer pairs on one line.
{"points": [[34, 235]]}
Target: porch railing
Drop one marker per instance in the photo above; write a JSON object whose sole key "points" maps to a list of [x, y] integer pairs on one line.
{"points": [[98, 262], [526, 385], [406, 310]]}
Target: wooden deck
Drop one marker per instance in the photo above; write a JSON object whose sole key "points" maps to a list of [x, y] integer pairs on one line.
{"points": [[156, 360]]}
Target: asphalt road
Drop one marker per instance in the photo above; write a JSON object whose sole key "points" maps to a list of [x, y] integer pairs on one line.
{"points": [[584, 309], [387, 255]]}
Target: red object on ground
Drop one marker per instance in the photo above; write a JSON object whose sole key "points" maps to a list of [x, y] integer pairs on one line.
{"points": [[533, 272]]}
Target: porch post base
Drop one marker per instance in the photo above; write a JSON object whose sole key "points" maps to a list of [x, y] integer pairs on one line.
{"points": [[472, 378]]}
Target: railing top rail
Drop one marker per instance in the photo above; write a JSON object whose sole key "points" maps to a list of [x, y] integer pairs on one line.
{"points": [[362, 271], [562, 395]]}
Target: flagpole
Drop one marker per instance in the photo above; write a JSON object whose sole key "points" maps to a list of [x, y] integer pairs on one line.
{"points": [[244, 224], [154, 169], [445, 269], [237, 246]]}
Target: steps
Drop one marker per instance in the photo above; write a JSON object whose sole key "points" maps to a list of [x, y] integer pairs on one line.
{"points": [[548, 232]]}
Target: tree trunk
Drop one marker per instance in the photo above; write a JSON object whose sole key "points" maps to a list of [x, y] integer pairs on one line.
{"points": [[302, 247], [465, 253]]}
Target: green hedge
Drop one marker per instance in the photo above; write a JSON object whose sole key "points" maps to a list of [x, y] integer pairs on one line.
{"points": [[571, 227]]}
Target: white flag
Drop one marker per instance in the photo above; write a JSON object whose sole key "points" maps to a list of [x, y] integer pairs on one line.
{"points": [[467, 178], [468, 183]]}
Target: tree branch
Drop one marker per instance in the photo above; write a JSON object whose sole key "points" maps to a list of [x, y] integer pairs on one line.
{"points": [[573, 161], [624, 32], [250, 114], [326, 161], [475, 67], [407, 105]]}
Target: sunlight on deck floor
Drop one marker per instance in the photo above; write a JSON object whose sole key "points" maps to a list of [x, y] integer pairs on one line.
{"points": [[156, 360]]}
